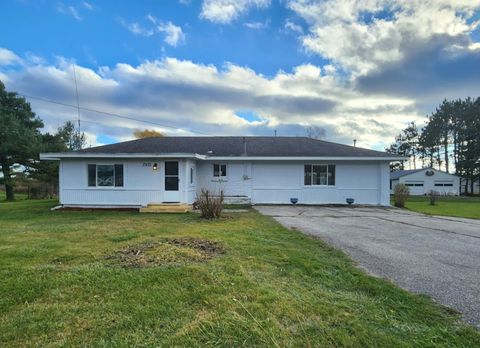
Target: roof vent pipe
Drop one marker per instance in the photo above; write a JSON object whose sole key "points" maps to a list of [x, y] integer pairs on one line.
{"points": [[354, 142]]}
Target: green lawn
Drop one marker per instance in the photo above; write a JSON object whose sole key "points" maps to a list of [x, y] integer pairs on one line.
{"points": [[467, 207], [269, 287]]}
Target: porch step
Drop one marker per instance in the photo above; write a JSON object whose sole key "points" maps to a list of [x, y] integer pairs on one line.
{"points": [[166, 208]]}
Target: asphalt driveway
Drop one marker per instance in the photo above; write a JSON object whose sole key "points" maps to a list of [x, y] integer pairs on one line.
{"points": [[438, 256]]}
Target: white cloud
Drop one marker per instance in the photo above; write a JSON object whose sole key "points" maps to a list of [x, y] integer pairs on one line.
{"points": [[290, 25], [136, 29], [156, 91], [362, 35], [226, 11], [173, 33], [87, 5], [7, 57], [70, 11], [256, 25]]}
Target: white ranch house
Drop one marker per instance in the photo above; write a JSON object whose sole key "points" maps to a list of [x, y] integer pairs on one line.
{"points": [[257, 170], [423, 181]]}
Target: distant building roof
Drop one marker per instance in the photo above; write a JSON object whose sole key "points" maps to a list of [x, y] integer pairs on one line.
{"points": [[399, 173]]}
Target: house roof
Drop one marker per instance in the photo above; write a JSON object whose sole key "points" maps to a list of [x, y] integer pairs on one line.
{"points": [[399, 173], [235, 146]]}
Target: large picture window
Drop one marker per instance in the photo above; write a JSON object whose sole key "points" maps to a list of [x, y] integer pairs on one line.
{"points": [[319, 174], [105, 175], [219, 170]]}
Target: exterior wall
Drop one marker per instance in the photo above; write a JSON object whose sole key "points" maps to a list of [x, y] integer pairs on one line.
{"points": [[277, 182], [429, 182], [142, 184]]}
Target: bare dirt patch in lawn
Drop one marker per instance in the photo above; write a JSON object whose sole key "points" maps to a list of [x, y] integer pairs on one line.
{"points": [[175, 251]]}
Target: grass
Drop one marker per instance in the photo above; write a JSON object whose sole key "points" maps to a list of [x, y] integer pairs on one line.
{"points": [[466, 207], [271, 287]]}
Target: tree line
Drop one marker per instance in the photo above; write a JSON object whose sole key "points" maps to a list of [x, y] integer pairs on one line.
{"points": [[21, 142], [449, 141]]}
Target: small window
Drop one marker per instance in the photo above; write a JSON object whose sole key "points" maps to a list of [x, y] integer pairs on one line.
{"points": [[191, 175], [319, 174], [219, 170], [92, 175], [105, 175]]}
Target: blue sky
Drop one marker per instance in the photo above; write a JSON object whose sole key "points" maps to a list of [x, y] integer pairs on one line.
{"points": [[97, 37], [351, 69]]}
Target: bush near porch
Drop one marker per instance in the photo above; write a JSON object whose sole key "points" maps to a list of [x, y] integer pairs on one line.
{"points": [[268, 286]]}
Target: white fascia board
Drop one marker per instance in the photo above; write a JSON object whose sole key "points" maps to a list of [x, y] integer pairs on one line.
{"points": [[62, 155], [307, 158]]}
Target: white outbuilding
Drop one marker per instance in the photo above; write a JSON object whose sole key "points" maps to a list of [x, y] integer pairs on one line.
{"points": [[423, 181]]}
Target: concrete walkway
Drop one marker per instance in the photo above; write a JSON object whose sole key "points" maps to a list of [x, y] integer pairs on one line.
{"points": [[437, 256]]}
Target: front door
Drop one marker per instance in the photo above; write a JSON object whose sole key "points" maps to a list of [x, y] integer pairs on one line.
{"points": [[172, 194]]}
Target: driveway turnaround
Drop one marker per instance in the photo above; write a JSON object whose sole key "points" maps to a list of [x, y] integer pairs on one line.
{"points": [[437, 256]]}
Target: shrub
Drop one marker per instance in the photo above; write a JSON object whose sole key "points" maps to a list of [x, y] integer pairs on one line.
{"points": [[210, 205], [400, 195], [433, 196]]}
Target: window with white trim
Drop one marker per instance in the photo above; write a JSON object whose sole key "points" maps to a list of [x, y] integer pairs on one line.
{"points": [[105, 175], [192, 173], [443, 183], [219, 170], [319, 174]]}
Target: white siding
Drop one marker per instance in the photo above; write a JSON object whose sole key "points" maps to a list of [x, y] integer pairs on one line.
{"points": [[142, 185], [258, 181], [277, 182]]}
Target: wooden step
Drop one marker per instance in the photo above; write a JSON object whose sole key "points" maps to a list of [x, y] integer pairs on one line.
{"points": [[166, 208]]}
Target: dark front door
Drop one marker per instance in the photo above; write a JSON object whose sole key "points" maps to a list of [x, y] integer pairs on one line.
{"points": [[171, 181]]}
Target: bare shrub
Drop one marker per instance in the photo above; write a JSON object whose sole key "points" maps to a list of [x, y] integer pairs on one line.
{"points": [[400, 195], [210, 205], [433, 196]]}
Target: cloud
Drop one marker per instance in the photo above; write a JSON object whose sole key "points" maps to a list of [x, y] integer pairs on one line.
{"points": [[70, 11], [136, 29], [256, 25], [204, 98], [7, 57], [374, 33], [173, 34], [226, 11], [291, 26], [87, 5]]}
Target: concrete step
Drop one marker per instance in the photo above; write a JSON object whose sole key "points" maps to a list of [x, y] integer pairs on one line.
{"points": [[166, 208]]}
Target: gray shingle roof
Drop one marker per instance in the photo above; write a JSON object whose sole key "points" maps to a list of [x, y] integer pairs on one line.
{"points": [[399, 173], [234, 146]]}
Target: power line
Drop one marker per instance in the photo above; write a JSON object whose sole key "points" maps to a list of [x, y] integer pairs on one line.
{"points": [[107, 113]]}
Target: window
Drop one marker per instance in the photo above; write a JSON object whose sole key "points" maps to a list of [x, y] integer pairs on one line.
{"points": [[319, 174], [191, 175], [414, 184], [444, 184], [105, 175], [219, 170]]}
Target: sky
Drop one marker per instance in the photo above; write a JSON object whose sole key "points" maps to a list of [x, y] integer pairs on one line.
{"points": [[352, 69]]}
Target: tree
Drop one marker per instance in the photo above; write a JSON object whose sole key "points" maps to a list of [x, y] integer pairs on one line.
{"points": [[147, 133], [19, 135], [315, 132], [73, 139]]}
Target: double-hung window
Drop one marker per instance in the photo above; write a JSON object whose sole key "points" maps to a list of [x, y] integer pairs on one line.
{"points": [[319, 174], [105, 175], [219, 170]]}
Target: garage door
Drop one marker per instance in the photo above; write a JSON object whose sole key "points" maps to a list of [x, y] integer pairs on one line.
{"points": [[416, 187]]}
